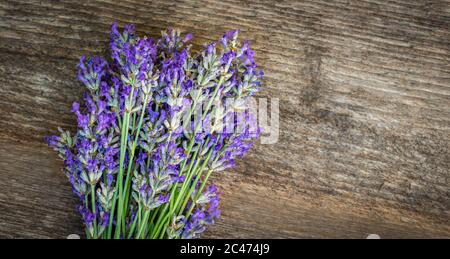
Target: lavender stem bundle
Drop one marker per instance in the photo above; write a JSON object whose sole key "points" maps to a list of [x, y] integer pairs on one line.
{"points": [[155, 123]]}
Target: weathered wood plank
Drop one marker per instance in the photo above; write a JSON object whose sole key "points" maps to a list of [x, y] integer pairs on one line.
{"points": [[364, 89]]}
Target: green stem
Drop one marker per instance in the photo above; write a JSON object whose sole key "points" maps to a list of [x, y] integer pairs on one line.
{"points": [[133, 149], [88, 235], [86, 201], [192, 172], [160, 230], [198, 193], [133, 226], [119, 189], [151, 224], [184, 204], [144, 224], [140, 215], [186, 196], [94, 210], [113, 210], [123, 147], [204, 182], [194, 158], [191, 144]]}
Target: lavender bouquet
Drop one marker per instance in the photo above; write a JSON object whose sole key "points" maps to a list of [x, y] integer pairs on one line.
{"points": [[155, 123]]}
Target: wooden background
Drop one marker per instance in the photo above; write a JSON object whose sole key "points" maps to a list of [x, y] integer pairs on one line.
{"points": [[364, 90]]}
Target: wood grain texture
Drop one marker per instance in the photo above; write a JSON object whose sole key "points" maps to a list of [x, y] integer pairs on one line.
{"points": [[364, 90]]}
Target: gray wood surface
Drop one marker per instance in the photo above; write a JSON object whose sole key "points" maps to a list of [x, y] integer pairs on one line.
{"points": [[364, 89]]}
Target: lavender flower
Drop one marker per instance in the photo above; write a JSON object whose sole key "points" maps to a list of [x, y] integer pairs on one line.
{"points": [[153, 125]]}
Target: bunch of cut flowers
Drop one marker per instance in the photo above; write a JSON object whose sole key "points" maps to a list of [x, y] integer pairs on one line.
{"points": [[155, 122]]}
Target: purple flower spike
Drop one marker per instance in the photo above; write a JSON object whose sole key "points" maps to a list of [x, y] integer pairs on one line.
{"points": [[91, 72], [187, 38]]}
